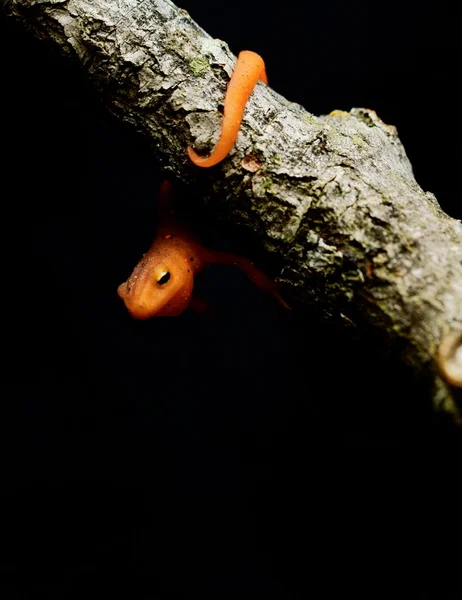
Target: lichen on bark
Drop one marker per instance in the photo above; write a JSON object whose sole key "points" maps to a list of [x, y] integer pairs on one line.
{"points": [[332, 199]]}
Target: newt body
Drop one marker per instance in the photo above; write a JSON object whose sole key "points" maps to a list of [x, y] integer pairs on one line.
{"points": [[162, 282]]}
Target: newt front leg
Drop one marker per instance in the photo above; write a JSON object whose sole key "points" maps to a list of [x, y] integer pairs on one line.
{"points": [[249, 69], [257, 277]]}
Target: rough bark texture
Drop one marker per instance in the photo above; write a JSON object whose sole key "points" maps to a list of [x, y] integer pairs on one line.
{"points": [[333, 198]]}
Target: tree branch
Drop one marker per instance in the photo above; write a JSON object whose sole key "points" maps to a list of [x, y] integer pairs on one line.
{"points": [[332, 198]]}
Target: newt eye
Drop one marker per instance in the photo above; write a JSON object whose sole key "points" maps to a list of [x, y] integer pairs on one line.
{"points": [[164, 276]]}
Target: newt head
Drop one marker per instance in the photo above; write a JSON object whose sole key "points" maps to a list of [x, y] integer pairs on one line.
{"points": [[161, 284]]}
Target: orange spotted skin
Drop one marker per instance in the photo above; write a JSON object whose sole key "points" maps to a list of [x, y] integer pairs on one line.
{"points": [[162, 282], [249, 69]]}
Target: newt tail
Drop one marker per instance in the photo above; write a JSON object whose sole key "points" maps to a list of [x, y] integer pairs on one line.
{"points": [[249, 69]]}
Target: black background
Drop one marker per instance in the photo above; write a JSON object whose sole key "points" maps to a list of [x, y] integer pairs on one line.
{"points": [[245, 453]]}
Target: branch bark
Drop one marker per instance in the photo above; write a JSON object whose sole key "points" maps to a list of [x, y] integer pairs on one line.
{"points": [[332, 199]]}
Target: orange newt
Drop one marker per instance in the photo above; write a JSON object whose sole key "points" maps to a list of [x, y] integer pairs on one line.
{"points": [[161, 284], [162, 281], [249, 69]]}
